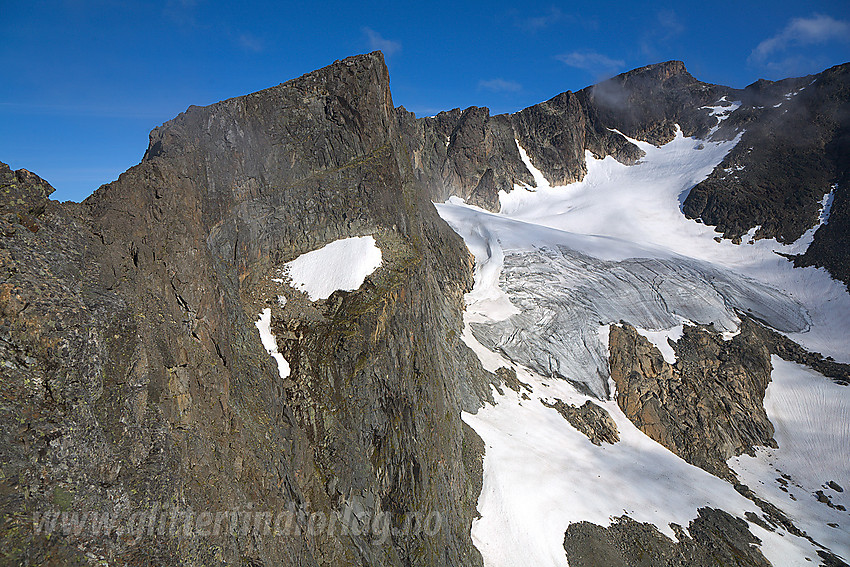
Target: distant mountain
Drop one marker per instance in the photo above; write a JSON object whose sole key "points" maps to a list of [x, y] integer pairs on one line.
{"points": [[607, 343]]}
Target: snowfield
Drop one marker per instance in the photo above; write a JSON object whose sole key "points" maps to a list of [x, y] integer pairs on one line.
{"points": [[341, 265], [554, 268], [811, 415]]}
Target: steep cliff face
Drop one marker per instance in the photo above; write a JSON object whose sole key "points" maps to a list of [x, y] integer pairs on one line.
{"points": [[162, 396]]}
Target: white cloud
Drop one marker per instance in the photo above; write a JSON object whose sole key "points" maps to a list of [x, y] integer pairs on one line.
{"points": [[249, 42], [802, 31], [500, 85], [592, 61], [378, 42], [534, 23]]}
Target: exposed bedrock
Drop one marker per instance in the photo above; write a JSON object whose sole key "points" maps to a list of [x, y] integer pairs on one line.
{"points": [[708, 406], [713, 538], [589, 419], [134, 377]]}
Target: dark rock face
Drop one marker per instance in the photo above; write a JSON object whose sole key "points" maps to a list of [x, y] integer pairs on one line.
{"points": [[649, 102], [713, 538], [134, 375], [708, 406], [793, 150], [473, 155], [464, 153], [591, 420]]}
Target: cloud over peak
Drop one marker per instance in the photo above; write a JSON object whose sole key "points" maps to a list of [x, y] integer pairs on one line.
{"points": [[592, 61], [379, 43], [817, 29]]}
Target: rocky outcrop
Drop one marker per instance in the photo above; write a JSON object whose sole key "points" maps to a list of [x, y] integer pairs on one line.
{"points": [[713, 538], [24, 198], [136, 383], [508, 378], [787, 349], [708, 406], [590, 420]]}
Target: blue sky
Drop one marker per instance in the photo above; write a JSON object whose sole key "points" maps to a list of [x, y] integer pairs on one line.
{"points": [[84, 81]]}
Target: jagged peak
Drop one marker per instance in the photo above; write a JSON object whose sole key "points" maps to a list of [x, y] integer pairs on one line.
{"points": [[657, 72], [360, 83]]}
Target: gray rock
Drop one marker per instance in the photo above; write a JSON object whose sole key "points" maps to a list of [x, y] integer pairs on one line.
{"points": [[591, 420], [713, 538]]}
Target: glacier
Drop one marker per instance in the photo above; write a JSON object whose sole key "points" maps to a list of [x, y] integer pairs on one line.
{"points": [[554, 268]]}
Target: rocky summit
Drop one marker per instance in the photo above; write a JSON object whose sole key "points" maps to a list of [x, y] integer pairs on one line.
{"points": [[619, 338]]}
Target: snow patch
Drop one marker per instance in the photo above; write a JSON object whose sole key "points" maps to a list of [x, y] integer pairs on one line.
{"points": [[659, 340], [811, 417], [264, 326], [341, 265], [802, 244], [722, 110], [539, 179]]}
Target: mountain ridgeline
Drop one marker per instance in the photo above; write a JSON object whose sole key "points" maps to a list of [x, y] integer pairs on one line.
{"points": [[794, 149], [134, 377]]}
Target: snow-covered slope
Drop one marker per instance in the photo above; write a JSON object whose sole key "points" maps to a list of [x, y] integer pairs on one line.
{"points": [[559, 263]]}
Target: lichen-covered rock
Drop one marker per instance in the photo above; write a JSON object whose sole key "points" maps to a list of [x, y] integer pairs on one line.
{"points": [[708, 406], [23, 198]]}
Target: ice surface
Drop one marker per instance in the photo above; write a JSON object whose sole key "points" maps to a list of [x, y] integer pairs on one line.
{"points": [[341, 265], [563, 295], [264, 324], [554, 267]]}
